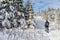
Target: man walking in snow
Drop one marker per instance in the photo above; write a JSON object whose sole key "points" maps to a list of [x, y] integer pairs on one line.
{"points": [[47, 26]]}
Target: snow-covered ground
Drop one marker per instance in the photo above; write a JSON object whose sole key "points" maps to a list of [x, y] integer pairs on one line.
{"points": [[19, 34], [54, 35], [29, 34]]}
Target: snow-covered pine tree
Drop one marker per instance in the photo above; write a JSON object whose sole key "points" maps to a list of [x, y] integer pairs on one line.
{"points": [[29, 14], [8, 11], [19, 14], [19, 4], [15, 14]]}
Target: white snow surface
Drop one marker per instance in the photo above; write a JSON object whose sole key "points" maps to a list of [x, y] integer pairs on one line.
{"points": [[19, 34], [54, 35], [28, 34]]}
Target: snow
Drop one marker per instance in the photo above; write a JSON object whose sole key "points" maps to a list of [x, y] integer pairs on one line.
{"points": [[12, 8], [39, 22], [28, 34], [1, 17], [6, 23], [54, 35]]}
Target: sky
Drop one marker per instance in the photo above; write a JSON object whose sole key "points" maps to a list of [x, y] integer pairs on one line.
{"points": [[43, 4]]}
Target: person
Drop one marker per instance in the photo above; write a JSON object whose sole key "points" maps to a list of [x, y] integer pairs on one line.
{"points": [[47, 26]]}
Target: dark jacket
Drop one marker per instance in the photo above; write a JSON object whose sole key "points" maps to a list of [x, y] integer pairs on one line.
{"points": [[46, 24]]}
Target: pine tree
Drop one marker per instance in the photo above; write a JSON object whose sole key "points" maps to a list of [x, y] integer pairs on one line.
{"points": [[19, 5], [29, 12]]}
